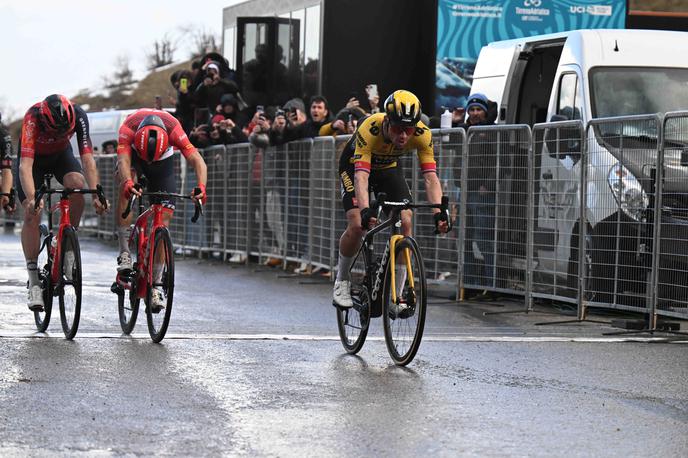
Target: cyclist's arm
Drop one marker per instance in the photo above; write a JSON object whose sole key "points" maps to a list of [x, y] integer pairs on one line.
{"points": [[179, 140], [426, 159], [26, 177], [433, 189], [83, 137], [196, 161], [6, 180], [90, 171], [124, 167], [361, 188], [124, 141]]}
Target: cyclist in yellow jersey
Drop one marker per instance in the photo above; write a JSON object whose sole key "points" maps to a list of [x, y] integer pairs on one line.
{"points": [[369, 163]]}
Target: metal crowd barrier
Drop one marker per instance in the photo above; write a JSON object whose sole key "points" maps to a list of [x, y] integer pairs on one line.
{"points": [[546, 213]]}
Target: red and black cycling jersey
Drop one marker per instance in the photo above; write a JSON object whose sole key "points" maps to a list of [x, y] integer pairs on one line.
{"points": [[38, 140], [5, 149], [175, 132]]}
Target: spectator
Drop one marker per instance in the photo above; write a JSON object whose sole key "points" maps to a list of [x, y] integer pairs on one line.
{"points": [[481, 201], [182, 81], [319, 116], [213, 87], [225, 132], [345, 121], [200, 136], [110, 147], [229, 109]]}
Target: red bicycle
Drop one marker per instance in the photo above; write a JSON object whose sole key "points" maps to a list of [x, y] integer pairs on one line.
{"points": [[153, 271], [62, 278]]}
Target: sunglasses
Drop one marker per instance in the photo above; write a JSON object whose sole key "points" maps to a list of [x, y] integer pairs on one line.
{"points": [[397, 130]]}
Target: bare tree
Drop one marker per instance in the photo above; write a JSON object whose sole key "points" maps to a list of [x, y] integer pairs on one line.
{"points": [[162, 53], [8, 112], [202, 40]]}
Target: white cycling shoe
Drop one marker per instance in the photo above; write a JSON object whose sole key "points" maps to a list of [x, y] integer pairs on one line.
{"points": [[124, 262], [158, 301], [36, 298], [341, 295]]}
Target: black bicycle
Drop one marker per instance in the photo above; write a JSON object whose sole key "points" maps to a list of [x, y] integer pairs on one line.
{"points": [[59, 260], [392, 286]]}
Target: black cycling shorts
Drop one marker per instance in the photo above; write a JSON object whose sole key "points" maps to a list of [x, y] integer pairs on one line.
{"points": [[58, 164], [160, 177], [390, 181]]}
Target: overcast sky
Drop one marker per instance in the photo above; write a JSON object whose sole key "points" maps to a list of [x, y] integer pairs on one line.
{"points": [[62, 46]]}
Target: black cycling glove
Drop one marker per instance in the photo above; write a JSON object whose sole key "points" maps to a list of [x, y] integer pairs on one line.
{"points": [[366, 215], [439, 216]]}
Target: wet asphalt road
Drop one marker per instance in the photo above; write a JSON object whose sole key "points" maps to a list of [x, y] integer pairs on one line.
{"points": [[252, 366]]}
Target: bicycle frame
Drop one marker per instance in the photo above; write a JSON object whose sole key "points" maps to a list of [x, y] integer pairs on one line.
{"points": [[388, 256], [65, 221], [145, 277]]}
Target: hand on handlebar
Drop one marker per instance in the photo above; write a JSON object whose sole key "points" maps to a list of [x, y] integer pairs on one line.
{"points": [[442, 218], [368, 218], [199, 193], [130, 188], [33, 207]]}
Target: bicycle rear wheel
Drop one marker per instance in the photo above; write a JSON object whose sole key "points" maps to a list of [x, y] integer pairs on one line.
{"points": [[42, 318], [163, 281], [353, 322], [128, 300], [69, 288], [405, 319]]}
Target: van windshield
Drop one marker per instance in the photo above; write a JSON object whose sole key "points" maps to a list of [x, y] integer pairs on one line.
{"points": [[621, 91]]}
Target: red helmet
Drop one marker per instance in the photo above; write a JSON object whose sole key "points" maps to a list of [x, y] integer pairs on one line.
{"points": [[57, 113], [150, 139]]}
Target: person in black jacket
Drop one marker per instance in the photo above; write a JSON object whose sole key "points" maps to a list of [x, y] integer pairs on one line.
{"points": [[481, 195], [213, 87]]}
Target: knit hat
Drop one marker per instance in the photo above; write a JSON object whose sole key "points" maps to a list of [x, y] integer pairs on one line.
{"points": [[296, 103], [477, 100]]}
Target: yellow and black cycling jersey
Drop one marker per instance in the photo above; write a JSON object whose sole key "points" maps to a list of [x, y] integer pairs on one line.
{"points": [[369, 150]]}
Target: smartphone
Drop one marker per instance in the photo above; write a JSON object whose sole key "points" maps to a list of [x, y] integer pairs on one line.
{"points": [[183, 85], [371, 90], [260, 109]]}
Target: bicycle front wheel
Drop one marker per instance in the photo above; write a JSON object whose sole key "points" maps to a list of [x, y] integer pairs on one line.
{"points": [[404, 318], [159, 309], [69, 287], [42, 318]]}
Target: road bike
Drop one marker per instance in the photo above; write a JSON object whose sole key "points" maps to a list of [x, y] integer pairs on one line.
{"points": [[61, 278], [392, 286], [151, 243]]}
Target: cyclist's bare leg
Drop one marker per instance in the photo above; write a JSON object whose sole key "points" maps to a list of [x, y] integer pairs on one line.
{"points": [[123, 224], [350, 241], [30, 236], [75, 180]]}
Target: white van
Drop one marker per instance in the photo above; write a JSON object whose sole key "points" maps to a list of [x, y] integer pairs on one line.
{"points": [[103, 127], [589, 74]]}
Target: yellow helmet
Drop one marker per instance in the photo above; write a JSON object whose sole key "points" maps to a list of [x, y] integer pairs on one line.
{"points": [[402, 108]]}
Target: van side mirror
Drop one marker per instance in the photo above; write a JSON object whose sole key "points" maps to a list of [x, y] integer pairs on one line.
{"points": [[564, 141]]}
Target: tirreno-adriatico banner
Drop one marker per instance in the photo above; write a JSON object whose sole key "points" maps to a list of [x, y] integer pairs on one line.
{"points": [[465, 26]]}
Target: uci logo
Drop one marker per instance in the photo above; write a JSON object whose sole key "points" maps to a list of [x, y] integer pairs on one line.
{"points": [[535, 3]]}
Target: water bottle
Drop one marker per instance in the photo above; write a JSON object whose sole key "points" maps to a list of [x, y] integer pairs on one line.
{"points": [[446, 123]]}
